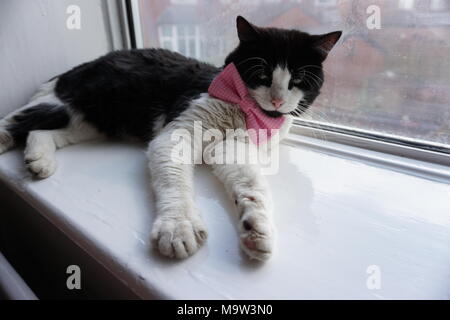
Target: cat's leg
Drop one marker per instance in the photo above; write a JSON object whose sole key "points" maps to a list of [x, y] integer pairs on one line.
{"points": [[178, 230], [42, 144], [43, 109], [6, 140], [250, 192]]}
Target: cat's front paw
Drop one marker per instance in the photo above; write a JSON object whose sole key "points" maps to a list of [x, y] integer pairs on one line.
{"points": [[256, 235], [6, 141], [178, 237], [40, 164]]}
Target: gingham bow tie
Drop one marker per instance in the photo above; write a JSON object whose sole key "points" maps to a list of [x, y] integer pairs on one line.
{"points": [[229, 86]]}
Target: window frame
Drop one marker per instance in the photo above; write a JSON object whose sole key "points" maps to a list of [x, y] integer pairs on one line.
{"points": [[375, 141], [407, 148]]}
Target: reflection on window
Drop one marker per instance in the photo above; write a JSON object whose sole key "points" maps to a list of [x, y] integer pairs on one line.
{"points": [[325, 3], [184, 1], [406, 4], [393, 80], [438, 4], [184, 39]]}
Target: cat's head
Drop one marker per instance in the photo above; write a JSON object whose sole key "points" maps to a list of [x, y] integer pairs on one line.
{"points": [[281, 68]]}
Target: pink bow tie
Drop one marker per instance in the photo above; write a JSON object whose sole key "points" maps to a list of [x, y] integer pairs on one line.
{"points": [[229, 86]]}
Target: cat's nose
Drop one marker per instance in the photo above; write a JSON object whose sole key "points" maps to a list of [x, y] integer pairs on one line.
{"points": [[277, 103]]}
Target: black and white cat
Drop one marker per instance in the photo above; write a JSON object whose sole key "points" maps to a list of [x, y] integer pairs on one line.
{"points": [[147, 94]]}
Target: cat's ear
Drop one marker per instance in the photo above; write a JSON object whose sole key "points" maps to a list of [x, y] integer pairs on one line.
{"points": [[247, 32], [326, 42]]}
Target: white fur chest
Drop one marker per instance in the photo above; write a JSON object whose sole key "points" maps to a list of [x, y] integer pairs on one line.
{"points": [[215, 114]]}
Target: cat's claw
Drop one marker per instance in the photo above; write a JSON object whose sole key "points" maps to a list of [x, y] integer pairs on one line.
{"points": [[178, 237]]}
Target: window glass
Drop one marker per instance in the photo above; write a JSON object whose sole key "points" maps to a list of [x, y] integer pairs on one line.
{"points": [[390, 72], [166, 30], [167, 45], [182, 47]]}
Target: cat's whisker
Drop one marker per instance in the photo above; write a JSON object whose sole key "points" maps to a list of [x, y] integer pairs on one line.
{"points": [[313, 84], [261, 67], [317, 67], [255, 73], [316, 83], [305, 67], [319, 80], [320, 118], [302, 114], [306, 72], [324, 70], [305, 75], [314, 115]]}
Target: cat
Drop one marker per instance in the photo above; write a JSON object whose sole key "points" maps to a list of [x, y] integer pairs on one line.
{"points": [[149, 93]]}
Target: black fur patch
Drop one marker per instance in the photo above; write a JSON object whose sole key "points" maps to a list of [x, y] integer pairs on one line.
{"points": [[39, 117], [124, 92]]}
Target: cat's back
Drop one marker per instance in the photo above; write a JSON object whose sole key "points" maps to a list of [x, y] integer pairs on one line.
{"points": [[143, 68], [135, 86]]}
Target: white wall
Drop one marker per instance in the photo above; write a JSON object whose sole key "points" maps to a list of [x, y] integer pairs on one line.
{"points": [[35, 44]]}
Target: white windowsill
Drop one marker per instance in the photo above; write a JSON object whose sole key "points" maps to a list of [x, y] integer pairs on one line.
{"points": [[335, 215]]}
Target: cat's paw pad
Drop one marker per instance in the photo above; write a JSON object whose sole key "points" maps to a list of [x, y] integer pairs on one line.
{"points": [[178, 237], [256, 237], [6, 141], [40, 164]]}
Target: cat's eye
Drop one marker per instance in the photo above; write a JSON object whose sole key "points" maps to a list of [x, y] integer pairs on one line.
{"points": [[296, 81]]}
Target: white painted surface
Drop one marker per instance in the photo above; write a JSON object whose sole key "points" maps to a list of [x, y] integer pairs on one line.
{"points": [[335, 218], [12, 286], [35, 44]]}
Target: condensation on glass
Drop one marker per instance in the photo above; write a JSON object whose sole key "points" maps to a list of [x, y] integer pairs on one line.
{"points": [[390, 73]]}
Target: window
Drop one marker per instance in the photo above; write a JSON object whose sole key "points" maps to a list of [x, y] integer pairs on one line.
{"points": [[325, 3], [406, 4], [181, 38], [438, 4], [167, 37], [184, 1], [392, 81]]}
